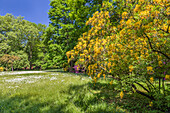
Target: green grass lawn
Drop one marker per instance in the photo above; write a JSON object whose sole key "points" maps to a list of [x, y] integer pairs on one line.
{"points": [[61, 92]]}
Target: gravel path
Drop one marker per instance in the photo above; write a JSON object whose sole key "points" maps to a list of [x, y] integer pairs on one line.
{"points": [[20, 72]]}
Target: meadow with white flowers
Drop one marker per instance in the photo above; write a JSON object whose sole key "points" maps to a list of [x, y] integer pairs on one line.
{"points": [[59, 91]]}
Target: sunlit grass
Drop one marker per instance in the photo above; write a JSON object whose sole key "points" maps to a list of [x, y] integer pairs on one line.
{"points": [[61, 92], [48, 92]]}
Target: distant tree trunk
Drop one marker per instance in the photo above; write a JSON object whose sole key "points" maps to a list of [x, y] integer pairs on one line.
{"points": [[12, 67], [30, 56], [72, 62], [30, 65]]}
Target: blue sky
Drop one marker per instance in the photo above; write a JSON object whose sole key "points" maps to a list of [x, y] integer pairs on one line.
{"points": [[32, 10]]}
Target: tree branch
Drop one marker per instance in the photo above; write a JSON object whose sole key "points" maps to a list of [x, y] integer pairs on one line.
{"points": [[142, 86], [142, 93], [168, 29], [151, 84], [163, 30], [154, 49]]}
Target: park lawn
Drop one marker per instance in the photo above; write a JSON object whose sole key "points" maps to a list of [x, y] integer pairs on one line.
{"points": [[62, 92]]}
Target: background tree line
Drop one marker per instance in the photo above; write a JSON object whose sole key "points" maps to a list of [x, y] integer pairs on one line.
{"points": [[26, 45], [21, 43]]}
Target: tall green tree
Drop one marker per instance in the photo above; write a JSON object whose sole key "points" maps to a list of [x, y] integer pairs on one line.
{"points": [[21, 38], [68, 19], [34, 38]]}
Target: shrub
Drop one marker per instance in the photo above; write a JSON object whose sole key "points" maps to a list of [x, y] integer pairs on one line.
{"points": [[134, 51]]}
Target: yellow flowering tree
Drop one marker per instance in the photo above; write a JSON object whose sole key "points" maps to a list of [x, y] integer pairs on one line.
{"points": [[134, 50]]}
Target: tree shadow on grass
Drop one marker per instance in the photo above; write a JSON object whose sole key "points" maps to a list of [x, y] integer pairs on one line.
{"points": [[89, 98], [104, 98], [20, 103], [25, 104], [80, 98], [101, 98]]}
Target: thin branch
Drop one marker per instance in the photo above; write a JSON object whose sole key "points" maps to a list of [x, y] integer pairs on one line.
{"points": [[142, 86], [168, 28], [151, 84], [154, 49], [149, 87], [142, 93], [163, 30]]}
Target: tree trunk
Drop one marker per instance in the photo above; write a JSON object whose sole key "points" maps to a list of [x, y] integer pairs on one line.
{"points": [[12, 67], [30, 56]]}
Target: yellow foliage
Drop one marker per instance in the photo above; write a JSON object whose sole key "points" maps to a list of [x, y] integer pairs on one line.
{"points": [[151, 104], [130, 68], [160, 63], [104, 75], [95, 80], [124, 15], [109, 64], [167, 77], [1, 69], [99, 74], [151, 79], [111, 82], [122, 47], [137, 8], [121, 94], [150, 70], [144, 14]]}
